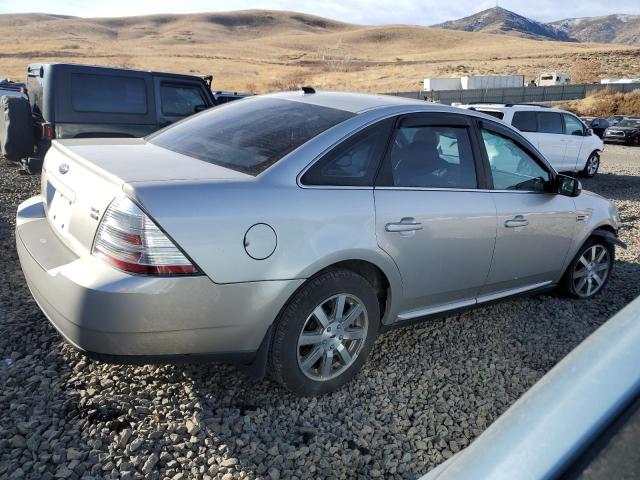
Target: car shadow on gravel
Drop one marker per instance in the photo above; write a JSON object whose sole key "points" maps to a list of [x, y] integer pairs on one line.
{"points": [[614, 186]]}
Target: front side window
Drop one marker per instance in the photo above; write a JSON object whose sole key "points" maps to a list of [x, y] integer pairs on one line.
{"points": [[573, 126], [431, 157], [512, 168], [354, 162], [525, 121], [108, 94], [249, 135], [180, 100], [549, 123]]}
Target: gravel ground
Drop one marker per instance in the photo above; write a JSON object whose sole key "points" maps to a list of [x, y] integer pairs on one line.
{"points": [[426, 392]]}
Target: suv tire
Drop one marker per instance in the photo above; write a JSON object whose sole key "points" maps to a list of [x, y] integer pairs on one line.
{"points": [[592, 166], [325, 333]]}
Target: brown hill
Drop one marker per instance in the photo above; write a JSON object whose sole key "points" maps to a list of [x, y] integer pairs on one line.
{"points": [[271, 50]]}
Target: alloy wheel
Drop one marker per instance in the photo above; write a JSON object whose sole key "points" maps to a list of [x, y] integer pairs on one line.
{"points": [[332, 337], [591, 271], [592, 165]]}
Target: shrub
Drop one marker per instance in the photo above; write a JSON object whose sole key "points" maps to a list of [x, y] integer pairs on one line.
{"points": [[605, 103]]}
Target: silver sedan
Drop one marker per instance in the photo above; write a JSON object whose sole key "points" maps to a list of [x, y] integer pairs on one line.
{"points": [[285, 232]]}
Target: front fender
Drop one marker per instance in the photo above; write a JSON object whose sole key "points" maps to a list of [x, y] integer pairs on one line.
{"points": [[610, 237]]}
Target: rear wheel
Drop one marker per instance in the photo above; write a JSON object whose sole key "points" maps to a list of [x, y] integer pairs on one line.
{"points": [[592, 165], [636, 140], [589, 271], [325, 333]]}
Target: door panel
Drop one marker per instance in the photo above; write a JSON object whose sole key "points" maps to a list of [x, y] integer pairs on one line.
{"points": [[574, 135], [448, 258], [534, 228], [551, 140], [535, 231]]}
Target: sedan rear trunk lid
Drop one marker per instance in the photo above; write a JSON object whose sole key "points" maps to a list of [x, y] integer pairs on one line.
{"points": [[81, 177]]}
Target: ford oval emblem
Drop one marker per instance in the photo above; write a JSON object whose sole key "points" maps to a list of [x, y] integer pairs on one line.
{"points": [[63, 168]]}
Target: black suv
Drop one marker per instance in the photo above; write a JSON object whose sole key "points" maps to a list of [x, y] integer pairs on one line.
{"points": [[75, 101]]}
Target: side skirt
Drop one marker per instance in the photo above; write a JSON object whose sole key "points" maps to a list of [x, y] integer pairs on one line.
{"points": [[486, 301]]}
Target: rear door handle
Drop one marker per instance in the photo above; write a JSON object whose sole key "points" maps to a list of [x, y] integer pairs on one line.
{"points": [[517, 221], [407, 224]]}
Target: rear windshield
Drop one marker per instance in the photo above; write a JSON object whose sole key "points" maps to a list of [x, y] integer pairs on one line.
{"points": [[249, 135]]}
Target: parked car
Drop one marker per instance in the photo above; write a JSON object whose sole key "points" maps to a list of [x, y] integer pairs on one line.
{"points": [[286, 231], [615, 119], [627, 131], [80, 101], [13, 89], [567, 143], [598, 125], [581, 420]]}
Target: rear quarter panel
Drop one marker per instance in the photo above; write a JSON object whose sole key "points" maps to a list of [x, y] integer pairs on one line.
{"points": [[314, 227]]}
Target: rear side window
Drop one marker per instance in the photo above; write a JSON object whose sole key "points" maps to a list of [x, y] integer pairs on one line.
{"points": [[108, 94], [431, 157], [525, 121], [180, 100], [549, 123], [492, 113], [354, 162], [248, 135]]}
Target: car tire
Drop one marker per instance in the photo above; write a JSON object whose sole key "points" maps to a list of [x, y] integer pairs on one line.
{"points": [[636, 141], [592, 166], [584, 277], [315, 350]]}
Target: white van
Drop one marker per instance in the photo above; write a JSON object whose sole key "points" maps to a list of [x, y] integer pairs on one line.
{"points": [[548, 79], [565, 141]]}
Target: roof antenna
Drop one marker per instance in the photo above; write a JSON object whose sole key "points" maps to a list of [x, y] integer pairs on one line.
{"points": [[308, 90]]}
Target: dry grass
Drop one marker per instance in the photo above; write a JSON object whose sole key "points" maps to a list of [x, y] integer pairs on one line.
{"points": [[265, 50], [605, 103]]}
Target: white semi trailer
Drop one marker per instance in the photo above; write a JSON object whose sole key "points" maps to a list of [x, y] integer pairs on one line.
{"points": [[436, 84], [473, 82], [492, 81]]}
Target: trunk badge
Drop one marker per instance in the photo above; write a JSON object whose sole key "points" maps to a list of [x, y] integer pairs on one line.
{"points": [[63, 168]]}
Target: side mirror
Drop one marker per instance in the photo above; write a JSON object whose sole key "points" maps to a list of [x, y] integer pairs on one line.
{"points": [[567, 186], [589, 131], [199, 108]]}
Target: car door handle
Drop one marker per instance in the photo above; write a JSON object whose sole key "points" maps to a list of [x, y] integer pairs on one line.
{"points": [[407, 224], [517, 221]]}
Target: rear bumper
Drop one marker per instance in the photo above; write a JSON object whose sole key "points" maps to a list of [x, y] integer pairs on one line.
{"points": [[119, 317]]}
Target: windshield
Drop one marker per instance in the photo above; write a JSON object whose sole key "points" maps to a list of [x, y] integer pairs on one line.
{"points": [[635, 123], [249, 135]]}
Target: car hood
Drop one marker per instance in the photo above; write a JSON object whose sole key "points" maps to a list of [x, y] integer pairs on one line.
{"points": [[624, 129], [136, 160]]}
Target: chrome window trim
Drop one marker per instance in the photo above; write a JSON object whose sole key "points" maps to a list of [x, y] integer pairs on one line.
{"points": [[422, 189], [355, 132]]}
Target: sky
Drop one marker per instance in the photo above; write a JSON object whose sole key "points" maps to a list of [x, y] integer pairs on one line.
{"points": [[418, 12]]}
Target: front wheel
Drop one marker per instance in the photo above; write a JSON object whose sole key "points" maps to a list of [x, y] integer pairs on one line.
{"points": [[325, 333], [592, 165], [590, 270]]}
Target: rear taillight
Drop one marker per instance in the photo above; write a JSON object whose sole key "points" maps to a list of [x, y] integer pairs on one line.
{"points": [[129, 240], [47, 131]]}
